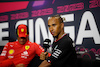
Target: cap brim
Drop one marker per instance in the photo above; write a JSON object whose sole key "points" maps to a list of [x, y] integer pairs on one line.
{"points": [[22, 35]]}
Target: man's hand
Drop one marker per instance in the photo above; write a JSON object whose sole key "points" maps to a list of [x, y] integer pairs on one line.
{"points": [[20, 65], [43, 55], [45, 64]]}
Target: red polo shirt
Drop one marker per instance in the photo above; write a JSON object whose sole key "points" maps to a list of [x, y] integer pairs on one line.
{"points": [[14, 53]]}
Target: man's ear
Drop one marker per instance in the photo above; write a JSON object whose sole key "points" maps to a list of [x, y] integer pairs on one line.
{"points": [[62, 25]]}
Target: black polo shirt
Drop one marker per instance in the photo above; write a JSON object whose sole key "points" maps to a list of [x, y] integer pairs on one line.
{"points": [[63, 53]]}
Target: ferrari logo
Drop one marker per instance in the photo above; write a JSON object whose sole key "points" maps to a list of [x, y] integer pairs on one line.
{"points": [[27, 47]]}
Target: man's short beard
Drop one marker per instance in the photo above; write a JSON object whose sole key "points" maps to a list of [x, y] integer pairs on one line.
{"points": [[55, 37]]}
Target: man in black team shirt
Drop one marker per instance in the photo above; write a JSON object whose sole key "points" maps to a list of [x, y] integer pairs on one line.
{"points": [[63, 52]]}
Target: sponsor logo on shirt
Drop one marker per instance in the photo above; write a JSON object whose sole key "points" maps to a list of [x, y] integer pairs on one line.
{"points": [[56, 52], [11, 45], [11, 51], [3, 53], [24, 54], [10, 57]]}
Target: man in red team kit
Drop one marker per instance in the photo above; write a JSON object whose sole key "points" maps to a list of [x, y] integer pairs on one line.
{"points": [[21, 52]]}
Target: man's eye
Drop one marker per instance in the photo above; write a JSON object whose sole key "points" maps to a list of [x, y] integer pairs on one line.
{"points": [[48, 25], [54, 25]]}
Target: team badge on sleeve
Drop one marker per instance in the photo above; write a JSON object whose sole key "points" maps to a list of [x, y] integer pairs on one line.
{"points": [[27, 47]]}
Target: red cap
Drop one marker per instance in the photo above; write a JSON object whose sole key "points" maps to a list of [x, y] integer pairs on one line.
{"points": [[22, 30]]}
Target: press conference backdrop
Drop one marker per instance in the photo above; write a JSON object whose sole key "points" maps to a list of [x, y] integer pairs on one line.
{"points": [[82, 20]]}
